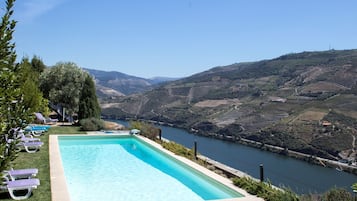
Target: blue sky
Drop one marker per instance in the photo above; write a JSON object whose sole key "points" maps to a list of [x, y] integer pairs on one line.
{"points": [[177, 38]]}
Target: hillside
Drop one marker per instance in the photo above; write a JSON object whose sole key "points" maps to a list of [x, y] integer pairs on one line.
{"points": [[305, 102], [115, 84]]}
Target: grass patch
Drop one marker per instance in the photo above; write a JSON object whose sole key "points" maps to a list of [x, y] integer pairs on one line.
{"points": [[65, 130], [179, 149], [265, 190], [40, 160]]}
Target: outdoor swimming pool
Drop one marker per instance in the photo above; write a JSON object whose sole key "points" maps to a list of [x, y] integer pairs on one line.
{"points": [[125, 168]]}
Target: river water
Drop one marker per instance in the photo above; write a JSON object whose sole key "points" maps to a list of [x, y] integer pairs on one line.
{"points": [[281, 171]]}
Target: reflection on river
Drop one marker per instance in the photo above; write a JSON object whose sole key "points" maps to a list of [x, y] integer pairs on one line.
{"points": [[299, 176]]}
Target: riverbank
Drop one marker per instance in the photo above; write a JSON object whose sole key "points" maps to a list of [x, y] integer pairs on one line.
{"points": [[339, 166], [282, 171]]}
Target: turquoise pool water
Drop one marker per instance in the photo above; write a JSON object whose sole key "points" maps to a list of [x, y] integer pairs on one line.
{"points": [[127, 169]]}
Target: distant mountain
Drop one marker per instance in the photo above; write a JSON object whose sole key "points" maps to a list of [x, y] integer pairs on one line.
{"points": [[114, 84], [305, 102], [158, 80]]}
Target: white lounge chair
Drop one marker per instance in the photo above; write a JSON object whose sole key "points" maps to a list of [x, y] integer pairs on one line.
{"points": [[134, 131], [19, 134], [19, 189], [30, 147], [21, 173], [44, 120]]}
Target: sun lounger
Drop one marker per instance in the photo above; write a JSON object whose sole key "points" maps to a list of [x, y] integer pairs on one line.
{"points": [[29, 139], [35, 131], [134, 131], [44, 120], [30, 147], [36, 127], [19, 134], [30, 144], [13, 187], [21, 173]]}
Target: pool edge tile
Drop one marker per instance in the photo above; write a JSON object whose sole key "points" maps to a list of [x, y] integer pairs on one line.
{"points": [[227, 182], [59, 191]]}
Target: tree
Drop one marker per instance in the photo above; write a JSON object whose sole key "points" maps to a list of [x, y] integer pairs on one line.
{"points": [[13, 112], [37, 64], [29, 85], [88, 102], [62, 85]]}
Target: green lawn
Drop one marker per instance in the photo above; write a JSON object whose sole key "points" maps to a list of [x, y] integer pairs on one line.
{"points": [[40, 160]]}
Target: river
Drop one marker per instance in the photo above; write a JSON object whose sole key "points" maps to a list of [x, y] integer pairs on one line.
{"points": [[281, 171]]}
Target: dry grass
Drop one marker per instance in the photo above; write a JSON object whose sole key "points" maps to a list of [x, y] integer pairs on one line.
{"points": [[323, 87], [216, 103], [309, 116]]}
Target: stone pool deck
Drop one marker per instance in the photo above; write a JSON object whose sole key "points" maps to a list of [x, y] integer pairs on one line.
{"points": [[58, 182], [59, 190]]}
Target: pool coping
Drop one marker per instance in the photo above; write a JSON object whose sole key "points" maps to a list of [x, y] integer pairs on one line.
{"points": [[59, 191]]}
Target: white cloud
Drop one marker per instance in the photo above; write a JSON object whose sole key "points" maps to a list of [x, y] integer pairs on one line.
{"points": [[29, 10]]}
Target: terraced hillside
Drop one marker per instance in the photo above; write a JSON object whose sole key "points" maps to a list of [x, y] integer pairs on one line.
{"points": [[305, 102]]}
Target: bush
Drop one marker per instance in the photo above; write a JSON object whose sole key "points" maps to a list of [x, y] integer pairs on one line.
{"points": [[265, 190], [146, 129], [339, 194], [179, 150], [91, 124]]}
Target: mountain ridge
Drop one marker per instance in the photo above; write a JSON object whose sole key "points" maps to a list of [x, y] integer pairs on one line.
{"points": [[111, 84], [303, 101]]}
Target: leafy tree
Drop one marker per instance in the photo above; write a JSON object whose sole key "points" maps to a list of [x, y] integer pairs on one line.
{"points": [[62, 85], [13, 111], [37, 64], [29, 85], [88, 102]]}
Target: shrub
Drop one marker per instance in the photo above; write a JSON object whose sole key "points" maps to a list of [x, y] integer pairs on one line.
{"points": [[91, 124], [179, 149], [339, 194], [265, 190], [146, 129]]}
